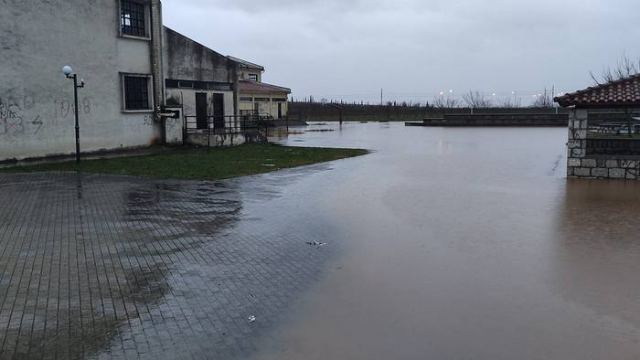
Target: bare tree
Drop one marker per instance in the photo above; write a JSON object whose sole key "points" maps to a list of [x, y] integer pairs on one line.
{"points": [[623, 69], [474, 99], [443, 102], [544, 100], [510, 103]]}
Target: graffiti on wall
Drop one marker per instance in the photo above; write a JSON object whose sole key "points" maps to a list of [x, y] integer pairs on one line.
{"points": [[12, 120], [64, 108], [148, 120], [18, 117]]}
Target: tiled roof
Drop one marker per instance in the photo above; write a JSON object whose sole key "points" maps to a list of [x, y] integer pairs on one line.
{"points": [[619, 93], [260, 87]]}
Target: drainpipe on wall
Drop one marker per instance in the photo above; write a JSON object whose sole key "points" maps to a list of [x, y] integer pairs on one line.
{"points": [[236, 93], [156, 66]]}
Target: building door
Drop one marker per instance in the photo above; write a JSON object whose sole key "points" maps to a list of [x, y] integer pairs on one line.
{"points": [[218, 111], [256, 108], [201, 110], [279, 110]]}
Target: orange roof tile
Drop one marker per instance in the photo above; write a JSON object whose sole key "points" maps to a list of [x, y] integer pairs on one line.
{"points": [[619, 93]]}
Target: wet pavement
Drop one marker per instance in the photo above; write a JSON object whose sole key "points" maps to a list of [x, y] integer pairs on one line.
{"points": [[441, 244], [104, 267]]}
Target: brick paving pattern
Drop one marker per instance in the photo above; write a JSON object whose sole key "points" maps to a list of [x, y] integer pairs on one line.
{"points": [[105, 267]]}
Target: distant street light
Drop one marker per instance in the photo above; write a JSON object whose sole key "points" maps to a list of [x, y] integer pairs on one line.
{"points": [[68, 72]]}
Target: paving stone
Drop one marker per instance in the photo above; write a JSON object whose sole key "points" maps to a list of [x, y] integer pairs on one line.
{"points": [[106, 267]]}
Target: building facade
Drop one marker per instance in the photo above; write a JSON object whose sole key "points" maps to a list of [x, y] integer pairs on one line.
{"points": [[137, 73], [111, 44], [201, 81], [604, 131], [257, 97]]}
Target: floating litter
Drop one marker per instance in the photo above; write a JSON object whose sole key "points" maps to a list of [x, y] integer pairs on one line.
{"points": [[316, 243]]}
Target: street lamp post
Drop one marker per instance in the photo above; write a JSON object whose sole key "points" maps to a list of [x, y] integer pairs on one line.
{"points": [[68, 72]]}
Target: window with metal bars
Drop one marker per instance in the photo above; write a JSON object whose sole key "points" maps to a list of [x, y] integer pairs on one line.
{"points": [[132, 18], [136, 93]]}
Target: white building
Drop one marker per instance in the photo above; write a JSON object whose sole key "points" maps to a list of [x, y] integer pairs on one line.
{"points": [[133, 68]]}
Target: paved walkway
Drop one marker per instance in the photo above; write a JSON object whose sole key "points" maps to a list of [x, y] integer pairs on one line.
{"points": [[116, 267]]}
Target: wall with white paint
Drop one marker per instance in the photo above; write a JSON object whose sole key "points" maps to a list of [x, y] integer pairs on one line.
{"points": [[36, 100]]}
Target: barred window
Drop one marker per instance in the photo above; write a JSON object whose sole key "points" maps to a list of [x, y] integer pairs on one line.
{"points": [[136, 93], [253, 77], [132, 19]]}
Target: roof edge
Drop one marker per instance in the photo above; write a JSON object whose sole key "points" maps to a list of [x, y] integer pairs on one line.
{"points": [[245, 63], [568, 99], [267, 85]]}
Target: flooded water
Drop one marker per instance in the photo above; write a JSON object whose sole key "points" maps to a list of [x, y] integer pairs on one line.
{"points": [[466, 244], [440, 244]]}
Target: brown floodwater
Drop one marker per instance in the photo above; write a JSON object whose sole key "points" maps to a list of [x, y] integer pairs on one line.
{"points": [[467, 244]]}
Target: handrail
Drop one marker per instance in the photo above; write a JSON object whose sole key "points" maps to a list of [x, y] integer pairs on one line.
{"points": [[250, 125]]}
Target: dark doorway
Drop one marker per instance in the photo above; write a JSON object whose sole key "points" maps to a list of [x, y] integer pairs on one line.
{"points": [[218, 111], [279, 110], [201, 110]]}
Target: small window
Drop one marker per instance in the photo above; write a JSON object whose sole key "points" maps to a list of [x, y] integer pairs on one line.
{"points": [[136, 93], [247, 99], [132, 19], [253, 77]]}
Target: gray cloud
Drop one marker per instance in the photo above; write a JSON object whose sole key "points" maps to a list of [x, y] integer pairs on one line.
{"points": [[415, 48]]}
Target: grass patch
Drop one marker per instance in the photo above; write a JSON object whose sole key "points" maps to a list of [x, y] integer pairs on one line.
{"points": [[203, 164]]}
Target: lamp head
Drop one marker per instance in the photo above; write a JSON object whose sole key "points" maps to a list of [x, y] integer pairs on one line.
{"points": [[67, 70]]}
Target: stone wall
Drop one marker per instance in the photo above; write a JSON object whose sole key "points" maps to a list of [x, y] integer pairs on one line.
{"points": [[217, 140], [582, 165]]}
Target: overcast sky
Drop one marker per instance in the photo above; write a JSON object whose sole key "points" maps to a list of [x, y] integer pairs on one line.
{"points": [[414, 49]]}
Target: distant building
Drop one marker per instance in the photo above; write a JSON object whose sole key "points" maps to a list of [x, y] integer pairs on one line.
{"points": [[257, 97], [604, 130]]}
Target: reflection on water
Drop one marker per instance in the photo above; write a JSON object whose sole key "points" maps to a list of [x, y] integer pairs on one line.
{"points": [[469, 244], [598, 252], [104, 267], [440, 244], [98, 255]]}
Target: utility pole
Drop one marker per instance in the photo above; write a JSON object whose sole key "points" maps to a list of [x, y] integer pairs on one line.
{"points": [[381, 95], [553, 94]]}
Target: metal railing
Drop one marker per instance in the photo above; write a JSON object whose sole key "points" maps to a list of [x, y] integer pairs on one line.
{"points": [[253, 127], [613, 146], [616, 135], [615, 126]]}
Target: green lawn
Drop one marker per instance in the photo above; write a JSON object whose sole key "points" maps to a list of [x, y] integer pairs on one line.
{"points": [[203, 164]]}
